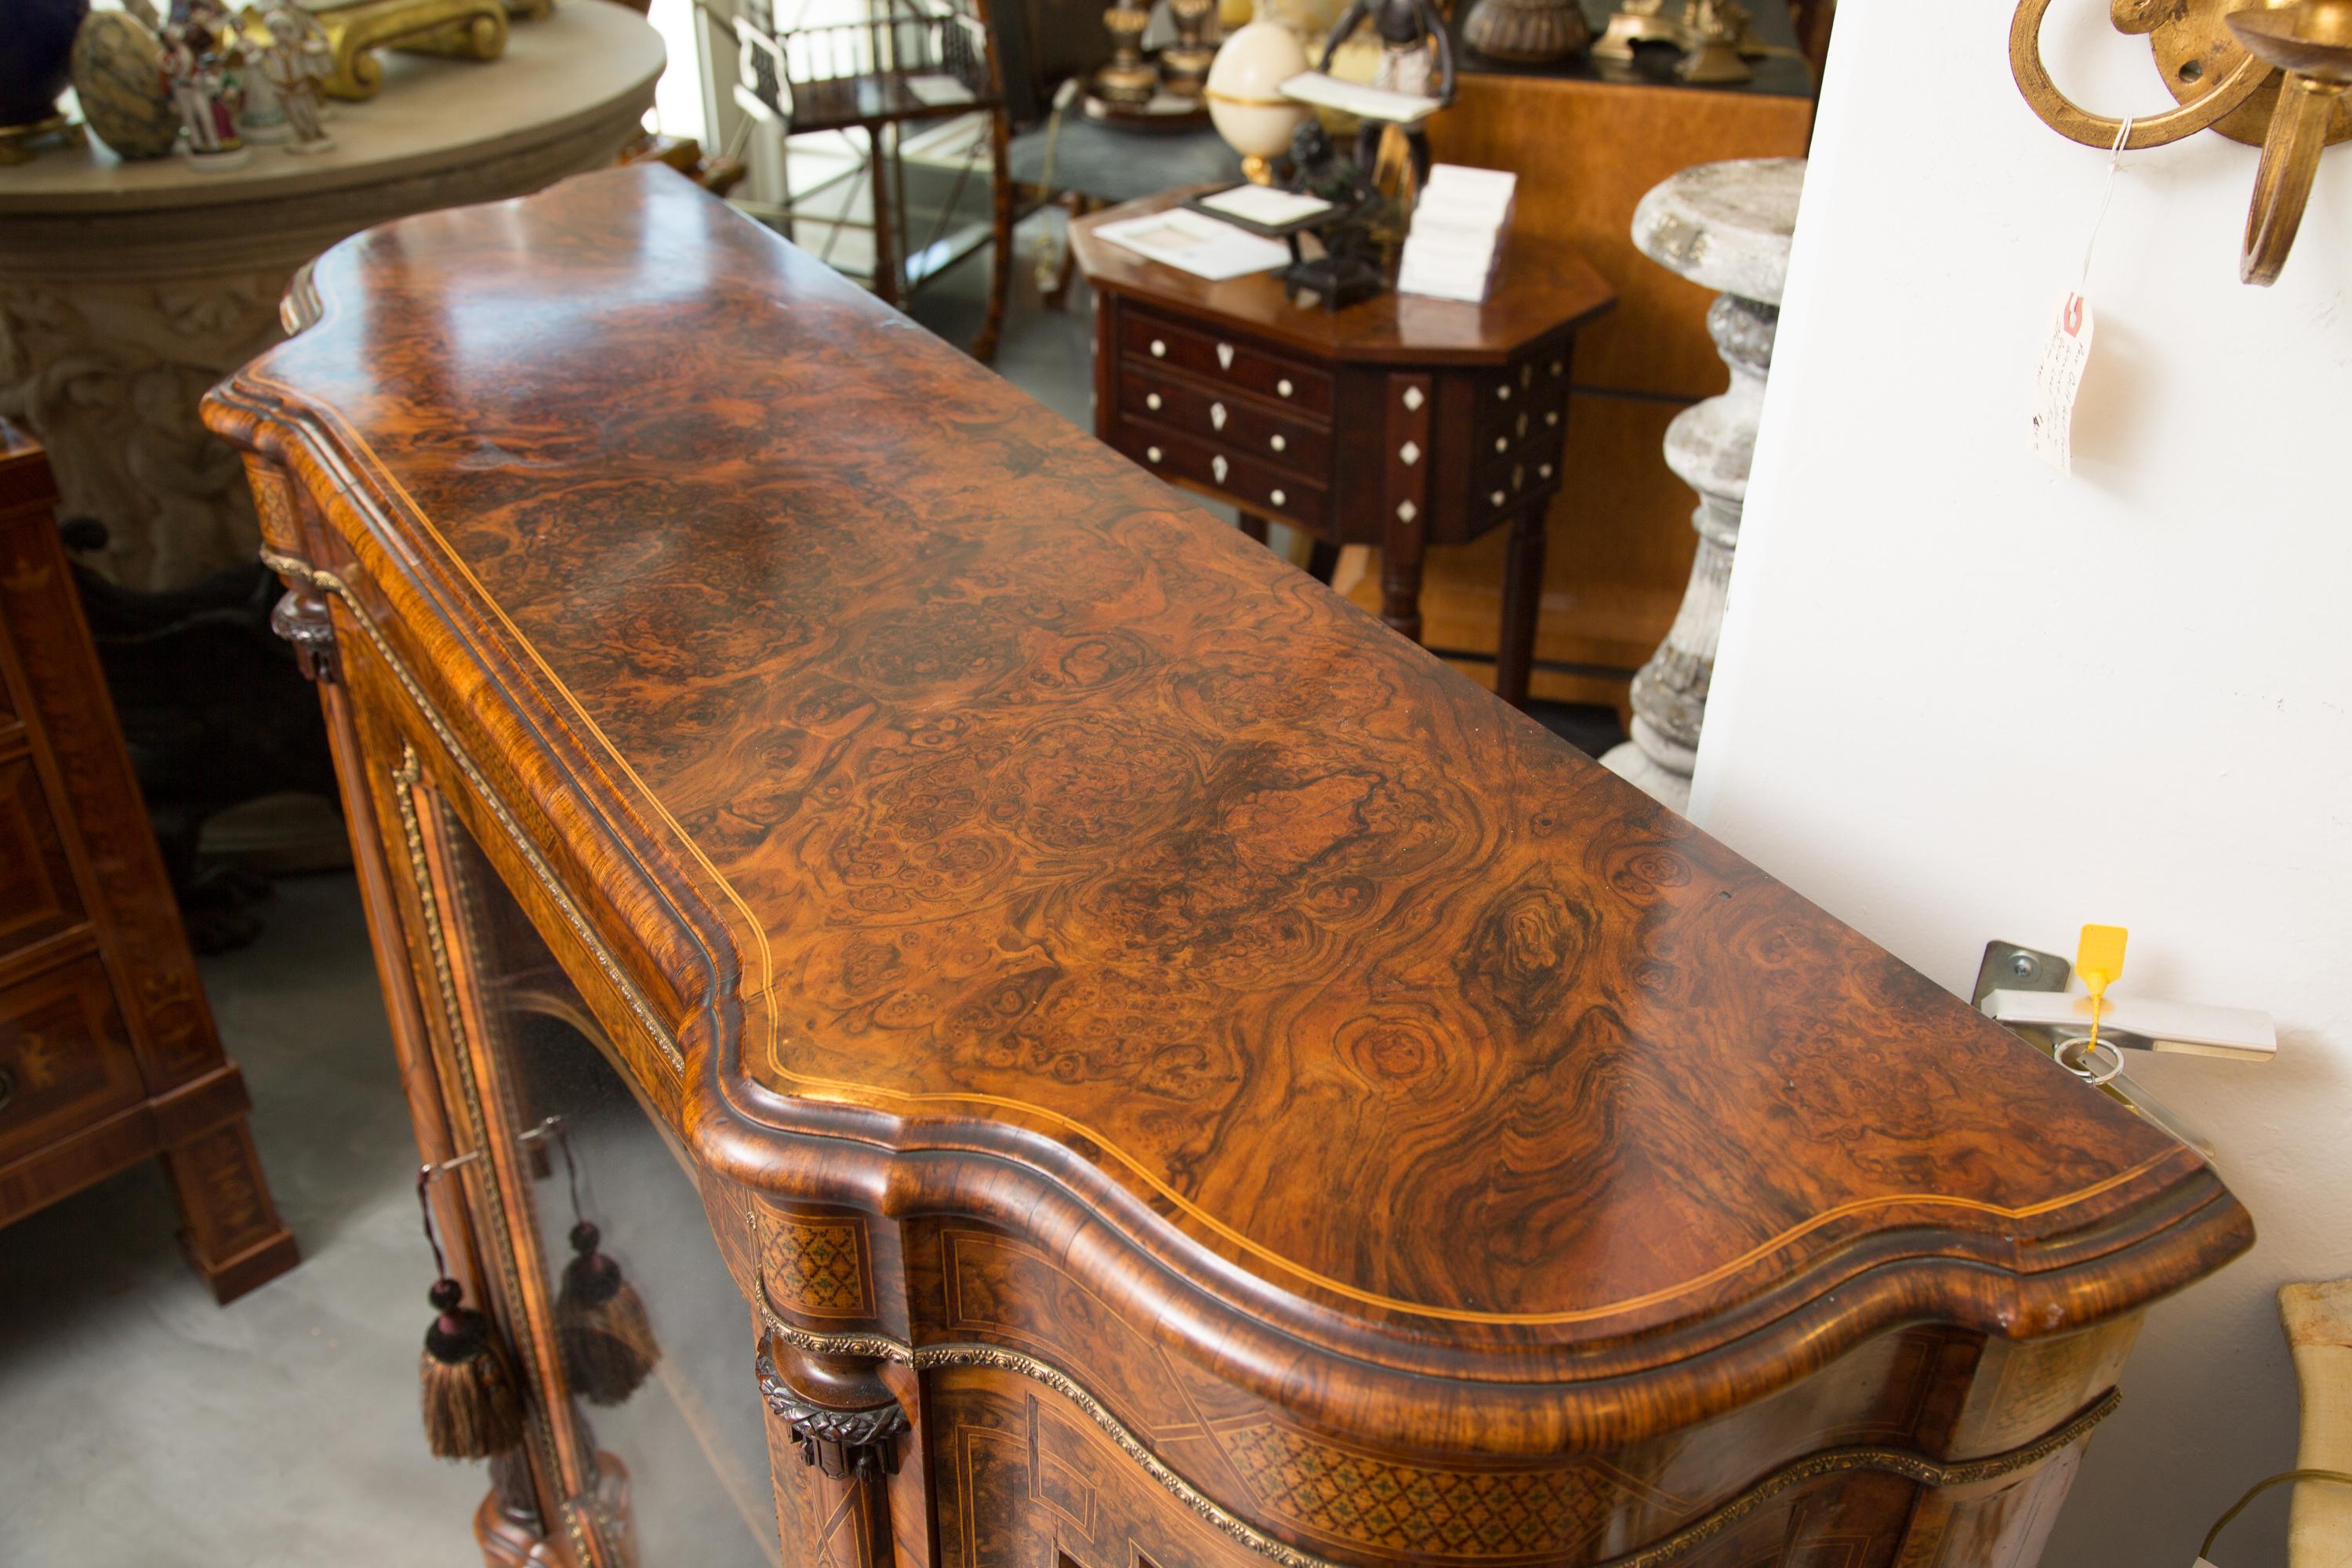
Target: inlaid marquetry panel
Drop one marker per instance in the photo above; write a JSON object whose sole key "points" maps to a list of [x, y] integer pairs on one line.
{"points": [[41, 621], [817, 1265], [38, 899], [1337, 1492], [1351, 1503], [64, 1057]]}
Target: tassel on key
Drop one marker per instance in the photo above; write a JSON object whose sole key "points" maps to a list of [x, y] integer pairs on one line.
{"points": [[601, 1327], [472, 1405]]}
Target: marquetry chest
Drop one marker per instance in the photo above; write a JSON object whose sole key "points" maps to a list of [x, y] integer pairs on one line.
{"points": [[1399, 422], [1091, 1052], [108, 1054]]}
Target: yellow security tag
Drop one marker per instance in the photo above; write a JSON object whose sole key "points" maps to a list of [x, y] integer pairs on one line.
{"points": [[2099, 957], [2099, 960]]}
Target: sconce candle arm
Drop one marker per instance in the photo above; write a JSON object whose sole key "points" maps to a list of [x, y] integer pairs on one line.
{"points": [[2283, 180]]}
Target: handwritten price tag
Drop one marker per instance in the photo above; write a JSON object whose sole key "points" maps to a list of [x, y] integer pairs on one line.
{"points": [[2056, 380]]}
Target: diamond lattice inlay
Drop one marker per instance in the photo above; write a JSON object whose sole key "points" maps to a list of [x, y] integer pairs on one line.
{"points": [[1410, 452], [812, 1267], [1346, 1495]]}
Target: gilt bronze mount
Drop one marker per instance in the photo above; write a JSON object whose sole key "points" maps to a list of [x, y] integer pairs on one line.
{"points": [[2271, 76]]}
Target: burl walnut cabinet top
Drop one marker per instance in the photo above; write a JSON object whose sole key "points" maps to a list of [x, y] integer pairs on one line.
{"points": [[988, 830]]}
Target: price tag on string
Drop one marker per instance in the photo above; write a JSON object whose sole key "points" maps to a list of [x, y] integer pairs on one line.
{"points": [[2057, 379], [2065, 353]]}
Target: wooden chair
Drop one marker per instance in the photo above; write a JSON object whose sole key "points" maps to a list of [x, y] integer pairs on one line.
{"points": [[903, 63]]}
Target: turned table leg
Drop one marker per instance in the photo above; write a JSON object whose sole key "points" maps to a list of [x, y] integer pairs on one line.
{"points": [[1523, 568], [1410, 397], [1400, 561]]}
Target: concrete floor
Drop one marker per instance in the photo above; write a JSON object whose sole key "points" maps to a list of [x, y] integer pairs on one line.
{"points": [[146, 1425]]}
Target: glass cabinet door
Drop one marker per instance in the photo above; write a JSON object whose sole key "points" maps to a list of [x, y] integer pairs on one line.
{"points": [[680, 1459]]}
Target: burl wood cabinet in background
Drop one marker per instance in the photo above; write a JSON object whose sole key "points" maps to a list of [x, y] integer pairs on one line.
{"points": [[1095, 1052], [108, 1054]]}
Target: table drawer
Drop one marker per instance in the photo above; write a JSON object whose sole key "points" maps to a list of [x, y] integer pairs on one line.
{"points": [[1533, 391], [1503, 483], [1522, 428], [38, 898], [1297, 446], [64, 1057], [1226, 362], [1258, 487]]}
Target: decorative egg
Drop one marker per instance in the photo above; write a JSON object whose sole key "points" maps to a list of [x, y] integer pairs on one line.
{"points": [[118, 75], [1244, 92]]}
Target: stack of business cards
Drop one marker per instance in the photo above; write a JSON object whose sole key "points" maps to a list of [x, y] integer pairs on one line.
{"points": [[1457, 232]]}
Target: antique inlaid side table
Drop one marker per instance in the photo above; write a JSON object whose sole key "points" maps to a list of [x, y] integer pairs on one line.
{"points": [[1400, 421]]}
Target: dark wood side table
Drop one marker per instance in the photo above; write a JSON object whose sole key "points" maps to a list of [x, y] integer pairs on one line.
{"points": [[108, 1054], [1402, 422]]}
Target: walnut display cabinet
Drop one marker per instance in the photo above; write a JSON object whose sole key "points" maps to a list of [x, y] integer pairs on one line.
{"points": [[1095, 1052]]}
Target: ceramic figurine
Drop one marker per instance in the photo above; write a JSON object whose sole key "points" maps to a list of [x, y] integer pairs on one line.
{"points": [[206, 92], [118, 75], [260, 117], [1416, 59], [297, 64]]}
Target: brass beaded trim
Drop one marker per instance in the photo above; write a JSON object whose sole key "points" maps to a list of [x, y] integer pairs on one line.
{"points": [[405, 780], [1902, 1462], [664, 1041]]}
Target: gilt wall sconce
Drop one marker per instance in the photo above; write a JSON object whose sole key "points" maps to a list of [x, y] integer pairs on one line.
{"points": [[2270, 75]]}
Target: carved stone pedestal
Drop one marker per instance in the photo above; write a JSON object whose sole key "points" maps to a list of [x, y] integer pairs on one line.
{"points": [[127, 288], [1724, 226]]}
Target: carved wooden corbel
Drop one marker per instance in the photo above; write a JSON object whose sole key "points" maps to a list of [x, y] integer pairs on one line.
{"points": [[302, 619], [842, 1443]]}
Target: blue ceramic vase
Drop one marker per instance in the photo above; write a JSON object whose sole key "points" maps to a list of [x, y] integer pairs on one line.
{"points": [[40, 35]]}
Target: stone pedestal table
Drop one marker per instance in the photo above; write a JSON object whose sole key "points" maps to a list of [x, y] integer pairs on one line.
{"points": [[1724, 226], [127, 288]]}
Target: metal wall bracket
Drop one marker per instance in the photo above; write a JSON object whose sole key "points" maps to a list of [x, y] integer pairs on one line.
{"points": [[2025, 991]]}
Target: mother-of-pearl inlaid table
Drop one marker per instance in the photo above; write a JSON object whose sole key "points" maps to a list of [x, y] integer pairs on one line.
{"points": [[127, 288]]}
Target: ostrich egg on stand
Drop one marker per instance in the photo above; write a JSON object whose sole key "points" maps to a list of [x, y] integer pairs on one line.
{"points": [[1245, 94]]}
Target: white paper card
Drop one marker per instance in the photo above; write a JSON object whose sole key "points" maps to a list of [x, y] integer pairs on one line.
{"points": [[1193, 243], [1264, 203], [2056, 380], [2202, 1563], [934, 89], [1365, 102], [1457, 232], [1457, 194]]}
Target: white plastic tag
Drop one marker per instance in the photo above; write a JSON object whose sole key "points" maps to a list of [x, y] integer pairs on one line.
{"points": [[2056, 380]]}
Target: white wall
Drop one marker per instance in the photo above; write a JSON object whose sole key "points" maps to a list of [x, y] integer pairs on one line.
{"points": [[1962, 698]]}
